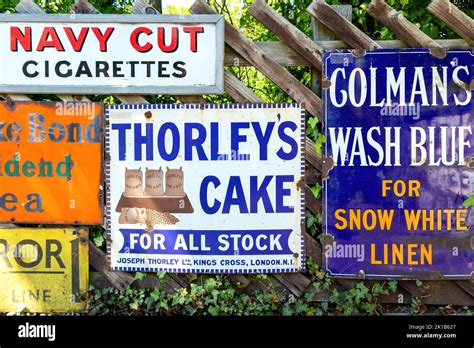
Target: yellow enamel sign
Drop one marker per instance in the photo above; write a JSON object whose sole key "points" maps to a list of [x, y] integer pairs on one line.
{"points": [[43, 270]]}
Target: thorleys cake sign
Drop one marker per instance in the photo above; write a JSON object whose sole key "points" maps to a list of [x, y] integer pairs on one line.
{"points": [[399, 129], [111, 54], [205, 189]]}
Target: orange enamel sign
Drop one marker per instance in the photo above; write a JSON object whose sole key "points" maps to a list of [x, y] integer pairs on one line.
{"points": [[50, 163]]}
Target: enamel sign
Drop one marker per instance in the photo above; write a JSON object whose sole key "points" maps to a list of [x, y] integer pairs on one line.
{"points": [[214, 188], [43, 270], [106, 54], [51, 163], [399, 127]]}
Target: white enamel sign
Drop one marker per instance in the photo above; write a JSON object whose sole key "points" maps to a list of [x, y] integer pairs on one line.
{"points": [[205, 188], [126, 54]]}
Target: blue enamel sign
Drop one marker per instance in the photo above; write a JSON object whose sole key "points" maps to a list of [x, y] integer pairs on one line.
{"points": [[398, 125]]}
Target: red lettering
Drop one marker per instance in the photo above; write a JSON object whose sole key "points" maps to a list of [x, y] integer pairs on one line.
{"points": [[103, 38], [76, 43], [193, 31], [16, 35], [173, 46], [134, 39], [50, 39]]}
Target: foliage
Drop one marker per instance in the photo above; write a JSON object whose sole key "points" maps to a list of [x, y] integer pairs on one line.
{"points": [[469, 202], [217, 296], [314, 224], [97, 235]]}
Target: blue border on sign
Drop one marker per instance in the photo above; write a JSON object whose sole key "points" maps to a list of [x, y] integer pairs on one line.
{"points": [[203, 106]]}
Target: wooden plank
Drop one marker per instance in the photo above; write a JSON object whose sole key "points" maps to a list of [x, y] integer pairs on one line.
{"points": [[337, 44], [320, 163], [403, 28], [269, 67], [312, 176], [341, 26], [439, 292], [322, 33], [83, 6], [312, 203], [143, 7], [98, 260], [295, 282], [287, 32], [286, 56], [467, 286], [28, 6], [238, 91], [457, 20], [278, 50]]}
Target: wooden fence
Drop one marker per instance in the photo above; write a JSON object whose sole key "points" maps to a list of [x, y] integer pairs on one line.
{"points": [[271, 58]]}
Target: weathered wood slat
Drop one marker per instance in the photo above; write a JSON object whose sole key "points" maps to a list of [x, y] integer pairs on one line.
{"points": [[467, 286], [98, 260], [238, 91], [312, 203], [322, 164], [83, 6], [312, 176], [439, 292], [286, 56], [28, 6], [265, 64], [457, 20], [403, 28], [143, 7], [340, 26], [278, 50], [295, 282], [287, 32]]}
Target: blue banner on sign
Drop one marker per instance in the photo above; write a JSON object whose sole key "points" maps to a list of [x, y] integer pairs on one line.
{"points": [[206, 242], [398, 125]]}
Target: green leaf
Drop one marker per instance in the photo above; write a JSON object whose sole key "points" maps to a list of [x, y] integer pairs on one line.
{"points": [[469, 202], [210, 285], [161, 274], [214, 310], [392, 285], [316, 190], [318, 144], [419, 283], [309, 296], [98, 240], [155, 294], [139, 276], [286, 310]]}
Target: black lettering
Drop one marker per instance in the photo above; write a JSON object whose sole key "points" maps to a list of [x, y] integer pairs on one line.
{"points": [[50, 253], [179, 66], [101, 67], [18, 256], [83, 69], [25, 69], [162, 69], [58, 66], [117, 68]]}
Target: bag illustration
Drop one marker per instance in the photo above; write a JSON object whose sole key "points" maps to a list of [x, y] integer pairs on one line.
{"points": [[174, 182], [133, 182], [133, 216], [153, 182]]}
